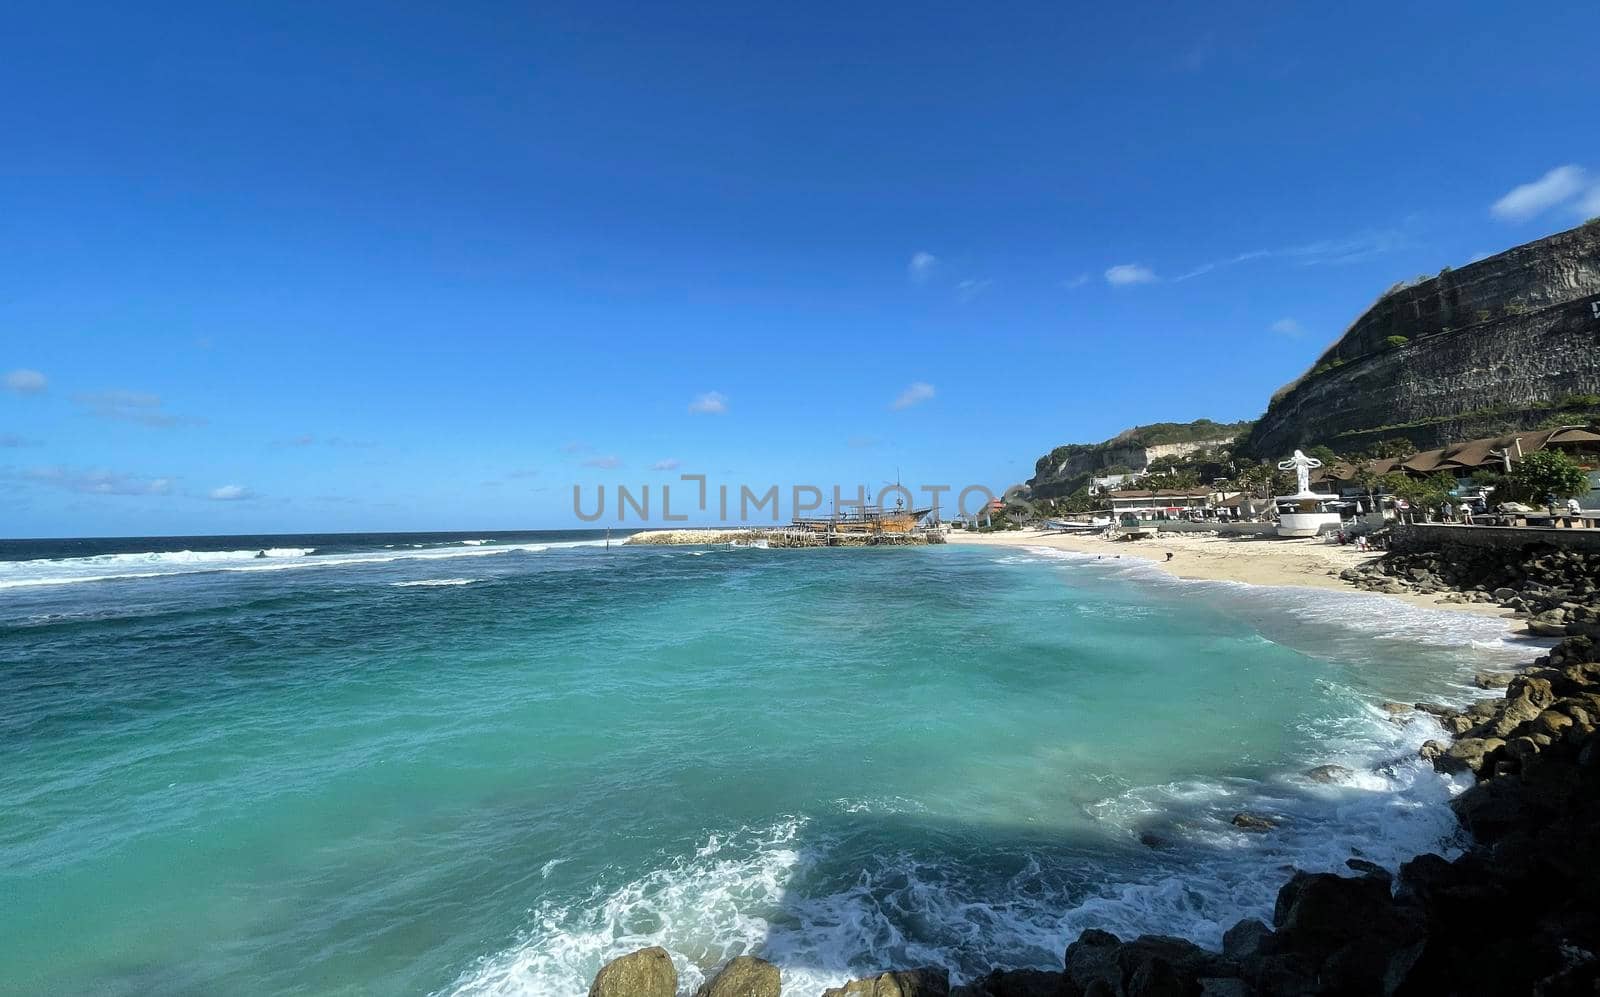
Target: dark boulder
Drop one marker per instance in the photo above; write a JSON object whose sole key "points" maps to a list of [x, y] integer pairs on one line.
{"points": [[1245, 939], [1019, 983], [1148, 965]]}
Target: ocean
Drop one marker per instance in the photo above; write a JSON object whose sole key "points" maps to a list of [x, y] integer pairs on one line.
{"points": [[483, 764]]}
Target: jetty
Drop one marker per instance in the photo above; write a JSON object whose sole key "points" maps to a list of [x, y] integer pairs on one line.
{"points": [[861, 525]]}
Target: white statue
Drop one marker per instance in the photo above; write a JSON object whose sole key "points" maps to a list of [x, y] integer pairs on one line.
{"points": [[1301, 465]]}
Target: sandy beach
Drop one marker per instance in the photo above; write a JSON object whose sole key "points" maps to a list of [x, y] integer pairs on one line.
{"points": [[1306, 562]]}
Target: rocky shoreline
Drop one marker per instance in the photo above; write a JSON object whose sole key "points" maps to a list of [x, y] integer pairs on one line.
{"points": [[1518, 912]]}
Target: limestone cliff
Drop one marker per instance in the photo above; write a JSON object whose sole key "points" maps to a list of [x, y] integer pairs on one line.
{"points": [[1501, 344], [1067, 468]]}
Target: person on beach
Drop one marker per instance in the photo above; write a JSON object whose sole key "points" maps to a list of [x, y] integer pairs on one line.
{"points": [[1169, 555], [1466, 513]]}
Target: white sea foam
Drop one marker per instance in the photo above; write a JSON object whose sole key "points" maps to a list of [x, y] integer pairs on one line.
{"points": [[1380, 617], [121, 567], [749, 890], [434, 582]]}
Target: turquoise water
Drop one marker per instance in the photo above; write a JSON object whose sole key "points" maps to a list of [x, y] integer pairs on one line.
{"points": [[484, 768]]}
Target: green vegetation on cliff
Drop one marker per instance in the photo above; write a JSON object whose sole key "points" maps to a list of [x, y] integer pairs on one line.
{"points": [[1068, 468]]}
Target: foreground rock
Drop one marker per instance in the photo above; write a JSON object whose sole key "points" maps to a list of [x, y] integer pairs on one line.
{"points": [[645, 973], [904, 983], [745, 976]]}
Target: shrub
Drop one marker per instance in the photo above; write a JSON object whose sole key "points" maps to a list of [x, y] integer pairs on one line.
{"points": [[1547, 472], [1395, 342]]}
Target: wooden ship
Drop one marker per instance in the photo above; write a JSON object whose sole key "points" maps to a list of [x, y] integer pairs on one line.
{"points": [[861, 524]]}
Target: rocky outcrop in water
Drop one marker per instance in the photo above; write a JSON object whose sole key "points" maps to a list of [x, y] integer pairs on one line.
{"points": [[1495, 346]]}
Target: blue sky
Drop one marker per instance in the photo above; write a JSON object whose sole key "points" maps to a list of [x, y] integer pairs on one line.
{"points": [[296, 266]]}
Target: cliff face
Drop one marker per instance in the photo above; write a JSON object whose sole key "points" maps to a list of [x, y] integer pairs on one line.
{"points": [[1497, 345], [1067, 468]]}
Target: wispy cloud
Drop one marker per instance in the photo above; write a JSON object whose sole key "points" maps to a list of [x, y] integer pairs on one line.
{"points": [[862, 442], [97, 482], [1075, 282], [710, 403], [1589, 204], [1536, 197], [10, 441], [1350, 249], [922, 266], [24, 381], [606, 463], [133, 406], [230, 493], [1127, 274], [576, 448], [670, 464], [966, 290], [1206, 268], [523, 472], [1288, 327], [916, 394]]}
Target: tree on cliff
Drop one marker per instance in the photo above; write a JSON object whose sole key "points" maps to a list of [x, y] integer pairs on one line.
{"points": [[1548, 472]]}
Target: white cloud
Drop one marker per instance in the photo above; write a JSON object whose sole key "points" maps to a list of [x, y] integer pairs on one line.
{"points": [[1125, 274], [26, 382], [922, 266], [1288, 327], [710, 403], [916, 394], [968, 289], [604, 463], [230, 493], [1529, 199], [670, 464], [1589, 204], [1076, 282], [98, 482]]}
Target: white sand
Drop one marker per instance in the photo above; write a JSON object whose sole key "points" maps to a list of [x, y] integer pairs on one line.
{"points": [[1258, 561]]}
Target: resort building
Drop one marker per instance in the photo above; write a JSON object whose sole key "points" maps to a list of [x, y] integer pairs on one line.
{"points": [[1148, 504], [1460, 460]]}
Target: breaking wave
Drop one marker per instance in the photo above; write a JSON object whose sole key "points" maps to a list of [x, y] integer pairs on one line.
{"points": [[159, 564]]}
